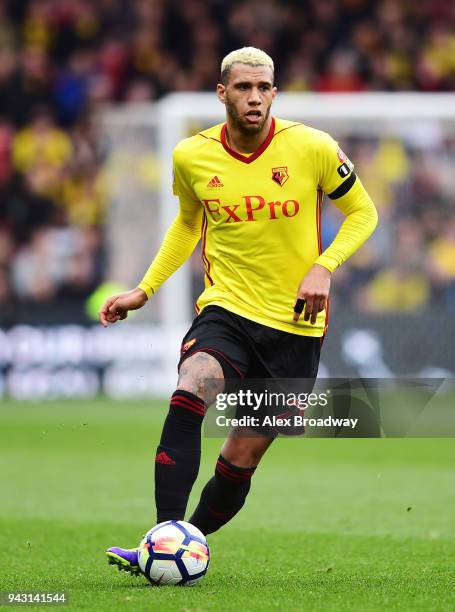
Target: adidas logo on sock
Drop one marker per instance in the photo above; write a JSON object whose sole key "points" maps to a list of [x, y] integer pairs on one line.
{"points": [[215, 182], [164, 458]]}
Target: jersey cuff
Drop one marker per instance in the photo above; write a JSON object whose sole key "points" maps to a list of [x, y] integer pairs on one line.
{"points": [[146, 288], [330, 263], [343, 188]]}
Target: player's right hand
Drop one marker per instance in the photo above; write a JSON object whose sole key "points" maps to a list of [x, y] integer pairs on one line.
{"points": [[117, 306]]}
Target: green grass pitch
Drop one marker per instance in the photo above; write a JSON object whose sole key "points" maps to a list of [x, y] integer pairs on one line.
{"points": [[329, 524]]}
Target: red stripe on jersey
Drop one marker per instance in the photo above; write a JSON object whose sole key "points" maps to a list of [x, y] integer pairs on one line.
{"points": [[204, 256], [257, 153], [318, 219], [318, 225], [327, 309]]}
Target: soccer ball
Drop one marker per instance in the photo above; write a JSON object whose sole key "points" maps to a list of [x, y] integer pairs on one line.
{"points": [[174, 552]]}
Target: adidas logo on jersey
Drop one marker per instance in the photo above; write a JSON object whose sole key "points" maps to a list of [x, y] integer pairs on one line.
{"points": [[215, 182], [164, 458]]}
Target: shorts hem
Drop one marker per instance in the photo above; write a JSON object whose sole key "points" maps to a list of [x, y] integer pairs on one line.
{"points": [[216, 353]]}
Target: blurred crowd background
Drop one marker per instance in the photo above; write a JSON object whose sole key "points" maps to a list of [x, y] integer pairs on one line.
{"points": [[62, 62]]}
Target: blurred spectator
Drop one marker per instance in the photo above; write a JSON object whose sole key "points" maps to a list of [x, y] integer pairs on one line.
{"points": [[6, 248], [71, 86], [83, 197], [34, 271], [436, 66], [41, 142], [41, 151], [140, 90], [56, 261], [112, 64], [342, 74], [32, 84], [6, 142], [7, 29], [8, 66], [27, 208], [397, 288], [403, 285]]}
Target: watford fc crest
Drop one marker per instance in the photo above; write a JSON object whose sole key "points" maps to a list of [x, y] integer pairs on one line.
{"points": [[280, 175]]}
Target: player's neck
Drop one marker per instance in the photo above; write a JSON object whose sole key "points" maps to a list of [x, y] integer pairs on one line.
{"points": [[246, 143]]}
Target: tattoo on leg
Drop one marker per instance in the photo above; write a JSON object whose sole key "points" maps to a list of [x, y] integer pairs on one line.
{"points": [[202, 375]]}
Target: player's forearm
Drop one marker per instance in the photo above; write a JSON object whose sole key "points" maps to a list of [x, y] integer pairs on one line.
{"points": [[177, 246], [361, 220]]}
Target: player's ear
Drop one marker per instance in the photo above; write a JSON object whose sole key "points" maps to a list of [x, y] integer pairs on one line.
{"points": [[274, 92], [220, 92]]}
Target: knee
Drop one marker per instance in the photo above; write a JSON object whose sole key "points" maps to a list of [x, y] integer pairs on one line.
{"points": [[201, 374]]}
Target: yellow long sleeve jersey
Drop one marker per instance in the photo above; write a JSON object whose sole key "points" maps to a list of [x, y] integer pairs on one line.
{"points": [[258, 217]]}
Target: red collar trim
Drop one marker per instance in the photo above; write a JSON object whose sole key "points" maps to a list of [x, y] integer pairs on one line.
{"points": [[257, 153]]}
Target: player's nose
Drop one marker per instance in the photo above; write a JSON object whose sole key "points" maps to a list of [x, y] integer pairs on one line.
{"points": [[254, 97]]}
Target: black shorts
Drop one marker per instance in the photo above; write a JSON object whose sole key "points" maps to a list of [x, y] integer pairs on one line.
{"points": [[248, 350]]}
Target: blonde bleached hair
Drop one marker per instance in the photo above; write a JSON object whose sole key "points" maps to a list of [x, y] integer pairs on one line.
{"points": [[247, 55]]}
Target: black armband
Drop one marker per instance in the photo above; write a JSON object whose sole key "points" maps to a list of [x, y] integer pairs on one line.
{"points": [[343, 188]]}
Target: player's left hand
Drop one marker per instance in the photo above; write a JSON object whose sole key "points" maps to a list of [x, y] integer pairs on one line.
{"points": [[313, 294]]}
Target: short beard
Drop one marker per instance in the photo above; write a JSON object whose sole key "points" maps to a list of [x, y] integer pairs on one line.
{"points": [[244, 128]]}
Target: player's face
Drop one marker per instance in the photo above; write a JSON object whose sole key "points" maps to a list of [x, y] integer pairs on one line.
{"points": [[248, 96]]}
